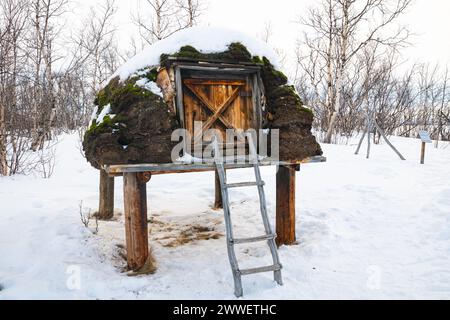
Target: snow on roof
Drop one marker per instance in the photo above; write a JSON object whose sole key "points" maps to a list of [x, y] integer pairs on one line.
{"points": [[204, 39]]}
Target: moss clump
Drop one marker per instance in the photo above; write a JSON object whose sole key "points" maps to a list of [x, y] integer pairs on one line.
{"points": [[107, 125], [236, 51], [272, 78], [102, 99], [152, 74], [257, 59], [130, 87], [188, 52], [285, 91], [184, 52], [120, 96]]}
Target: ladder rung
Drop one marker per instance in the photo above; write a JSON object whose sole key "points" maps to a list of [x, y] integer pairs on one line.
{"points": [[232, 144], [274, 267], [255, 239], [245, 184], [221, 145]]}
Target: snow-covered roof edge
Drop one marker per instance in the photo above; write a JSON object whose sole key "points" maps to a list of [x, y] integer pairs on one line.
{"points": [[204, 39]]}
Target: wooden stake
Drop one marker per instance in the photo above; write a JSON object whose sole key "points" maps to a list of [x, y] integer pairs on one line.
{"points": [[285, 211], [106, 202], [387, 141], [422, 153], [218, 204], [136, 230]]}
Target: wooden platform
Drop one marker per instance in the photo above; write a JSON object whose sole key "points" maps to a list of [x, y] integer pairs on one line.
{"points": [[165, 168], [136, 176]]}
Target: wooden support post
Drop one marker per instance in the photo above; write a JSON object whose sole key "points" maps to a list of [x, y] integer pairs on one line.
{"points": [[218, 204], [136, 230], [106, 202], [285, 211], [422, 153]]}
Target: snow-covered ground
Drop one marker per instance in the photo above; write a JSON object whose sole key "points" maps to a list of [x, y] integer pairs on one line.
{"points": [[377, 228]]}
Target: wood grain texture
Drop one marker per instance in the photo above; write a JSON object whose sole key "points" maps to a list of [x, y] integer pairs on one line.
{"points": [[106, 196], [163, 168], [136, 230], [218, 203], [285, 205], [214, 82], [219, 104], [422, 153]]}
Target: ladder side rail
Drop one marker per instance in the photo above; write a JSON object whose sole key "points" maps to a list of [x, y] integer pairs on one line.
{"points": [[218, 159], [262, 201]]}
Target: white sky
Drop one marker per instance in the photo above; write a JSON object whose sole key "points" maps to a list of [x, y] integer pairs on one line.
{"points": [[428, 19]]}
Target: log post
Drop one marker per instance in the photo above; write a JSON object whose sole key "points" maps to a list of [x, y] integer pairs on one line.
{"points": [[422, 153], [218, 204], [285, 205], [136, 230], [106, 201]]}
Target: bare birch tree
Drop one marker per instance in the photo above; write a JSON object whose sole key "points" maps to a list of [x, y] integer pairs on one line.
{"points": [[342, 28], [13, 17], [44, 20], [158, 19]]}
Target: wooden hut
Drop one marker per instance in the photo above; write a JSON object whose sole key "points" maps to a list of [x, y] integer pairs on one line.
{"points": [[230, 89]]}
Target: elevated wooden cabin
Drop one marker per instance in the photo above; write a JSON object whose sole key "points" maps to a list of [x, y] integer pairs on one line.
{"points": [[222, 95]]}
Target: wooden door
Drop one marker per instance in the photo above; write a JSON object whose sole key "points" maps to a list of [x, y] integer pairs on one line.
{"points": [[218, 104]]}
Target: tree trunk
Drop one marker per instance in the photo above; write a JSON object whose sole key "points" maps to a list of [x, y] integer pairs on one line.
{"points": [[342, 63], [335, 113], [3, 155]]}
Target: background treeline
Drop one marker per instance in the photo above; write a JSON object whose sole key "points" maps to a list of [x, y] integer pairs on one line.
{"points": [[347, 67], [350, 68], [49, 77]]}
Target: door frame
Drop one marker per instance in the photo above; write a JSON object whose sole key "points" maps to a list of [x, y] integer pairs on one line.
{"points": [[253, 72]]}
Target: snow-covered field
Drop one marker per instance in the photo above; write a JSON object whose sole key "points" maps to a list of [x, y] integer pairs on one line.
{"points": [[377, 228]]}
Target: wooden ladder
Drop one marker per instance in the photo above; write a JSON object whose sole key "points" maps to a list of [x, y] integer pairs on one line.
{"points": [[269, 235]]}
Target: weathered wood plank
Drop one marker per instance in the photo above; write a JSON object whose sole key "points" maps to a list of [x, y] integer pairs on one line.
{"points": [[179, 96], [136, 230], [226, 82], [221, 109], [207, 103], [106, 196], [218, 203], [156, 168], [285, 205], [422, 153], [192, 64]]}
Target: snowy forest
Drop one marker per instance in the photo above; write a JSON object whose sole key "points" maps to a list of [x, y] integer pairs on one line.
{"points": [[345, 66], [98, 202]]}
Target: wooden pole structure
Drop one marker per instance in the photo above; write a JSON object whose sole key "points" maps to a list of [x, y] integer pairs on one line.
{"points": [[136, 230], [377, 128], [285, 205], [106, 199], [218, 204], [381, 131], [422, 153]]}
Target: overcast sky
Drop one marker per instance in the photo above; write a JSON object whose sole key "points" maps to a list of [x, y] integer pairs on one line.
{"points": [[429, 20]]}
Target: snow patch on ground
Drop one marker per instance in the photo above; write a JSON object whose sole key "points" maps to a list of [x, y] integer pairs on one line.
{"points": [[367, 229]]}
